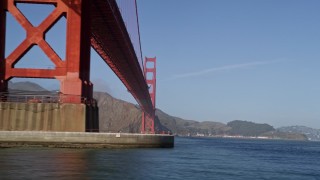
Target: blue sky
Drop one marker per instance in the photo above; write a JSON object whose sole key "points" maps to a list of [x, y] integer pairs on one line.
{"points": [[221, 60]]}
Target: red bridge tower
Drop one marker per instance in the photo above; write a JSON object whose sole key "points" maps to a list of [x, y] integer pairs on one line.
{"points": [[147, 125]]}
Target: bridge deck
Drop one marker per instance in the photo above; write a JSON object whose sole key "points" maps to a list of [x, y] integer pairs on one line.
{"points": [[111, 41]]}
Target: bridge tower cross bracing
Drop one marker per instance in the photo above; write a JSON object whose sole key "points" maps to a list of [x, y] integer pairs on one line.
{"points": [[150, 71], [73, 72]]}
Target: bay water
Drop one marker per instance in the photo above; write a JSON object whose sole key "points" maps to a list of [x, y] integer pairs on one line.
{"points": [[191, 158]]}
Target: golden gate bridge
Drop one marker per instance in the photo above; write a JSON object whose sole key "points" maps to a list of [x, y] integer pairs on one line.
{"points": [[110, 27]]}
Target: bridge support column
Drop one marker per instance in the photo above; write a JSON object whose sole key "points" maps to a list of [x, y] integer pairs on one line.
{"points": [[76, 83], [74, 71], [147, 125], [3, 82]]}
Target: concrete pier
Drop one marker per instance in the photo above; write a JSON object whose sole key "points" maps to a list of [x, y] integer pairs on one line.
{"points": [[84, 140], [20, 116], [65, 125]]}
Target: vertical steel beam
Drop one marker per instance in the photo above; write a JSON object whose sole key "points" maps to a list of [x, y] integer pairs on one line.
{"points": [[147, 125], [3, 81], [86, 49], [77, 80]]}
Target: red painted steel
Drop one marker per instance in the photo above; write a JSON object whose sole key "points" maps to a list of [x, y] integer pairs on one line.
{"points": [[97, 23], [111, 41], [147, 125], [73, 73]]}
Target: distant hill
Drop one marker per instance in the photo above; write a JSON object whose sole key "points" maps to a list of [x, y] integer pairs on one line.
{"points": [[246, 128], [285, 135], [120, 116], [25, 86], [117, 115], [312, 134], [184, 127]]}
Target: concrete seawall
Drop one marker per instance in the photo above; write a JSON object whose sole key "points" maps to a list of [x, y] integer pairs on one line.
{"points": [[65, 125], [84, 140], [17, 116]]}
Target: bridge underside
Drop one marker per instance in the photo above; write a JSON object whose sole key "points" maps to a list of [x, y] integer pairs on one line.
{"points": [[112, 42]]}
